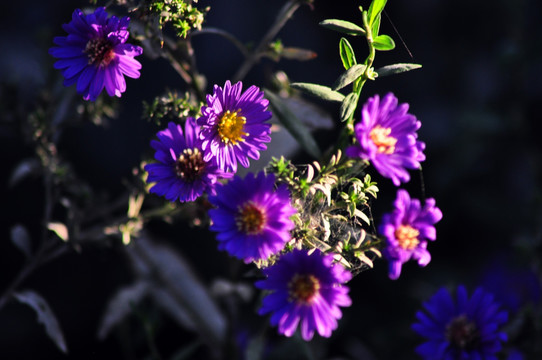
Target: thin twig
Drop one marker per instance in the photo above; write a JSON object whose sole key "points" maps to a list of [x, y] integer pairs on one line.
{"points": [[210, 30], [283, 16]]}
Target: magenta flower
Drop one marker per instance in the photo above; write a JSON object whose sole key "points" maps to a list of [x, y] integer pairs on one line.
{"points": [[386, 136], [407, 230], [233, 125], [95, 55], [251, 217], [466, 329], [181, 173], [305, 290]]}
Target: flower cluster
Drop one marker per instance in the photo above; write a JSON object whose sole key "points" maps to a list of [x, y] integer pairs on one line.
{"points": [[190, 165], [468, 328], [386, 137]]}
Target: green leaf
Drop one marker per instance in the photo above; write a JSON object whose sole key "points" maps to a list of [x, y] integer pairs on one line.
{"points": [[320, 91], [343, 26], [383, 43], [396, 69], [375, 26], [375, 9], [349, 76], [294, 126], [348, 106], [347, 54]]}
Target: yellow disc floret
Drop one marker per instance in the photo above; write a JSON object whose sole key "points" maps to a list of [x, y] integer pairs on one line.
{"points": [[407, 237], [231, 126], [382, 139]]}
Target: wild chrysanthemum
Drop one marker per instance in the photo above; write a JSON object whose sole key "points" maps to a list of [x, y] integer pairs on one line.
{"points": [[306, 290], [466, 329], [386, 136], [95, 54], [251, 217], [233, 125], [181, 173], [407, 230]]}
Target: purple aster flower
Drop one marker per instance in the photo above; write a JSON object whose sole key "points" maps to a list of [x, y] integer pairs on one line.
{"points": [[407, 230], [95, 54], [466, 329], [251, 217], [233, 125], [386, 136], [306, 290], [181, 173]]}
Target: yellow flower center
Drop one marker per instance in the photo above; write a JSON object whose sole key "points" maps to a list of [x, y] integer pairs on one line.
{"points": [[303, 288], [230, 127], [251, 219], [385, 143], [99, 51], [407, 237]]}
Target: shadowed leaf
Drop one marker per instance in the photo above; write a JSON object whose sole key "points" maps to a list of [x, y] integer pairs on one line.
{"points": [[348, 106], [172, 274], [45, 316], [21, 239], [294, 126], [121, 305]]}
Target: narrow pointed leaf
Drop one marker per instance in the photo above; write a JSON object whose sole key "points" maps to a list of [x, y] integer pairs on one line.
{"points": [[349, 76], [375, 9], [347, 54], [383, 43], [294, 126], [320, 91], [24, 169], [45, 316], [348, 106], [343, 26], [375, 26], [167, 268], [396, 69], [21, 239], [121, 305]]}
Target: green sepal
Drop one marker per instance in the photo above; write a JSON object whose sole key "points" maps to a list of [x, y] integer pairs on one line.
{"points": [[348, 106], [347, 54], [349, 76], [320, 91], [294, 126], [396, 69], [383, 43], [343, 26], [375, 9]]}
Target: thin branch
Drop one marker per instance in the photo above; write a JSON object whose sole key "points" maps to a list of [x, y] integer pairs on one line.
{"points": [[238, 44], [283, 16]]}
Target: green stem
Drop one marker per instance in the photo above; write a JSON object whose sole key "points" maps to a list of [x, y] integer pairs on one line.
{"points": [[348, 129]]}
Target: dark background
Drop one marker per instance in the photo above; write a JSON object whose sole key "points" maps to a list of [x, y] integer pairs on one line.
{"points": [[478, 97]]}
